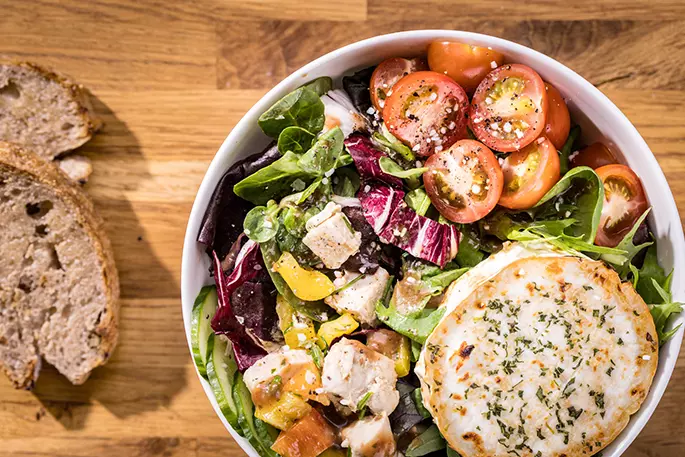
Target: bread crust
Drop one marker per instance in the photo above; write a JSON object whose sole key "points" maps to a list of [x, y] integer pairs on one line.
{"points": [[20, 161], [77, 92]]}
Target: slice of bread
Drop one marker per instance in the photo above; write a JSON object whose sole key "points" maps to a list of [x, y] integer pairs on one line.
{"points": [[59, 287], [45, 112]]}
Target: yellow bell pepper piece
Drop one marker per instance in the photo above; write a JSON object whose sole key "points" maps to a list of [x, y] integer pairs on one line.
{"points": [[394, 346], [308, 285], [402, 358], [283, 413], [297, 329], [329, 331]]}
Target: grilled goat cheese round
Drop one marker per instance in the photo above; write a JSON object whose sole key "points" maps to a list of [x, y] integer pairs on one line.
{"points": [[539, 354]]}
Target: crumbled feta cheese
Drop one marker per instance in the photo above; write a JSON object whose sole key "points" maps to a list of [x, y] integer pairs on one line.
{"points": [[433, 97], [507, 127], [493, 64]]}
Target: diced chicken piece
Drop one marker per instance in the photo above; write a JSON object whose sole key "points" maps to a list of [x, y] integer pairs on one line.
{"points": [[284, 371], [359, 298], [331, 237], [370, 437], [353, 373], [340, 112]]}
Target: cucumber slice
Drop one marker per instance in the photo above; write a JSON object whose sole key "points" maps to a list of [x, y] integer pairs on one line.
{"points": [[221, 370], [200, 327], [260, 434]]}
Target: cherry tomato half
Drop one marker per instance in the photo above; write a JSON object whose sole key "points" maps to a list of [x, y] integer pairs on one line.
{"points": [[624, 203], [529, 173], [427, 111], [558, 119], [594, 156], [464, 182], [509, 107], [464, 63], [387, 73]]}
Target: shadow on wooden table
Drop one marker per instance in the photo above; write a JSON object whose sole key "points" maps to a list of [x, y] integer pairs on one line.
{"points": [[147, 369]]}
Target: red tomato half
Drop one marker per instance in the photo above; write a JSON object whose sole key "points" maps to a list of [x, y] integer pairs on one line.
{"points": [[529, 173], [464, 63], [509, 107], [558, 119], [387, 73], [464, 182], [427, 111], [594, 156], [624, 203]]}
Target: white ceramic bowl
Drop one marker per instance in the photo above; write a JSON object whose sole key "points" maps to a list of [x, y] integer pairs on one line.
{"points": [[597, 115]]}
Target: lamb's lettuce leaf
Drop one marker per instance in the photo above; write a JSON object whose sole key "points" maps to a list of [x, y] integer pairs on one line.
{"points": [[391, 167], [392, 146], [324, 154], [261, 223], [274, 181], [295, 139], [320, 85], [301, 108], [418, 200]]}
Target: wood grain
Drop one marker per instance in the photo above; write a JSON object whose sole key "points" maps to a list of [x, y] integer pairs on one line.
{"points": [[170, 80]]}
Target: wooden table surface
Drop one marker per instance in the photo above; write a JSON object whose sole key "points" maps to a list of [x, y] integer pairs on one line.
{"points": [[171, 78]]}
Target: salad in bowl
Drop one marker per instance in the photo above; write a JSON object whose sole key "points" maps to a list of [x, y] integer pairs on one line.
{"points": [[428, 258]]}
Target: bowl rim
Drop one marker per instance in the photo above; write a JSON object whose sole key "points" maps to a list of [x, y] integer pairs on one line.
{"points": [[228, 150]]}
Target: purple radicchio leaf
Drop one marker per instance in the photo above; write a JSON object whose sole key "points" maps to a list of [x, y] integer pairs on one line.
{"points": [[372, 253], [396, 223], [357, 87], [226, 322], [223, 219], [366, 158]]}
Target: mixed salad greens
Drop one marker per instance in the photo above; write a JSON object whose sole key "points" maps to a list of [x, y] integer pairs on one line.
{"points": [[367, 205]]}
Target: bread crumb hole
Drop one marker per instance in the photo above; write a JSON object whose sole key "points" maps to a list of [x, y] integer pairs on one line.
{"points": [[41, 230], [66, 311], [38, 210], [54, 259], [67, 126], [10, 91], [25, 284], [52, 310]]}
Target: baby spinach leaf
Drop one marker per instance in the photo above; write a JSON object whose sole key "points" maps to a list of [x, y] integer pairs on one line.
{"points": [[320, 85], [406, 415], [583, 188], [429, 441], [567, 149], [324, 154], [273, 181], [300, 108], [418, 200], [261, 223], [391, 167], [294, 139], [418, 401]]}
